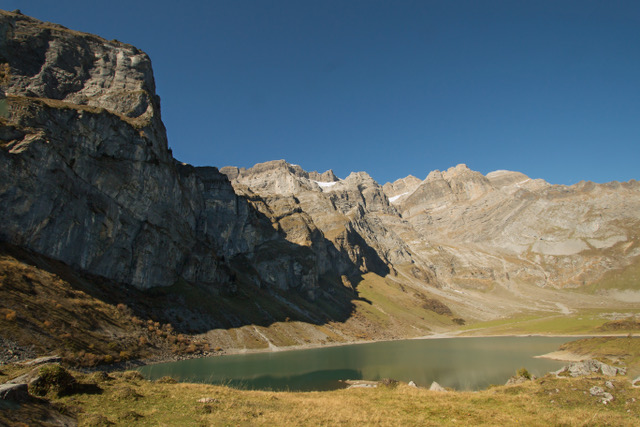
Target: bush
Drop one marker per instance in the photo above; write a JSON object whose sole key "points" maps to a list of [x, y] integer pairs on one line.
{"points": [[522, 372], [53, 379]]}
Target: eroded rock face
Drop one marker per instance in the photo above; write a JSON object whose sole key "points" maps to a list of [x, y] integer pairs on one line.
{"points": [[87, 178], [506, 227]]}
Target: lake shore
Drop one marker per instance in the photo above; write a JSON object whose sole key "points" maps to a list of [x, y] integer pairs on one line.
{"points": [[556, 355]]}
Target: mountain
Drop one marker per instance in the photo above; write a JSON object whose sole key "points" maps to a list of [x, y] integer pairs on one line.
{"points": [[271, 255]]}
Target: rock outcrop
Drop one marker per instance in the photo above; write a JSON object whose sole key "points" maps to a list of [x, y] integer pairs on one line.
{"points": [[87, 177]]}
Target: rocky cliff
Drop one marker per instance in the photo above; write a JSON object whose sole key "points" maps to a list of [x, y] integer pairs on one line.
{"points": [[87, 179]]}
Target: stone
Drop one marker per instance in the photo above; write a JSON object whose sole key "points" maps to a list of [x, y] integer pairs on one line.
{"points": [[436, 387], [207, 400], [599, 392], [14, 392], [42, 360], [517, 380], [588, 367], [412, 384]]}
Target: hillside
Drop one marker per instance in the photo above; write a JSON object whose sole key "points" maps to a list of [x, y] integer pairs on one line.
{"points": [[100, 222]]}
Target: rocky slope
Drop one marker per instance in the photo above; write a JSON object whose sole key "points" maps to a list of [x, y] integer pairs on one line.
{"points": [[274, 255]]}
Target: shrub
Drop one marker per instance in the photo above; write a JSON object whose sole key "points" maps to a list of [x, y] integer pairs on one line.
{"points": [[11, 315], [124, 310], [522, 372], [53, 379]]}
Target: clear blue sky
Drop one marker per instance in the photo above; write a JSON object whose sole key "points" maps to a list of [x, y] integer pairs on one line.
{"points": [[547, 88]]}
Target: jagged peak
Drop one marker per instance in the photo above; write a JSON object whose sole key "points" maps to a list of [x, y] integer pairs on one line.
{"points": [[361, 177], [401, 187], [327, 176]]}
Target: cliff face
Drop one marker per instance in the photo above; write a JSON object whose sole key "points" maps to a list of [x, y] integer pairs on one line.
{"points": [[87, 179]]}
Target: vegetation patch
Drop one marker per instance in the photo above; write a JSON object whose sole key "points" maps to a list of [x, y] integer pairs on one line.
{"points": [[53, 380]]}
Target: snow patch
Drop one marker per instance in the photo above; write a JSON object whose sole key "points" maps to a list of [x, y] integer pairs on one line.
{"points": [[394, 198], [326, 184]]}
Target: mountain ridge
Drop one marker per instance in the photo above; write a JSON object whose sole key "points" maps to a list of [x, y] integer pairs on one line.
{"points": [[273, 255]]}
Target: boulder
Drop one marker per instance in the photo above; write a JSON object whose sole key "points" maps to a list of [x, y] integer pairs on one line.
{"points": [[412, 384], [436, 387], [599, 392], [588, 367], [14, 392], [42, 360]]}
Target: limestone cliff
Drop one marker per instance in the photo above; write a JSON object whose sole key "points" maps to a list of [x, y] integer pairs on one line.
{"points": [[87, 177]]}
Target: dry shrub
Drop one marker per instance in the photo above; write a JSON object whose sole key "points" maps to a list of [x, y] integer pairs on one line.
{"points": [[124, 310]]}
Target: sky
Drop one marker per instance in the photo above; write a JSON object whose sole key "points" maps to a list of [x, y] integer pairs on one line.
{"points": [[547, 88]]}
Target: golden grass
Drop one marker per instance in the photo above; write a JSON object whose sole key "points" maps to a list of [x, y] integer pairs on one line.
{"points": [[547, 401]]}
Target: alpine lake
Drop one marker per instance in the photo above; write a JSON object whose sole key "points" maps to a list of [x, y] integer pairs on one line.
{"points": [[460, 363]]}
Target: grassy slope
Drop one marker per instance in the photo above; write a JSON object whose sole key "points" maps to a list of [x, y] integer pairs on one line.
{"points": [[625, 350], [124, 399], [47, 306], [584, 322]]}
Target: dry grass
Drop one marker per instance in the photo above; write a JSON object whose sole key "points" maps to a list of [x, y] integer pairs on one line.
{"points": [[547, 401], [57, 311]]}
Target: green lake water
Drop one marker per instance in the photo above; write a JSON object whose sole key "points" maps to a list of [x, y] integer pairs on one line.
{"points": [[460, 363]]}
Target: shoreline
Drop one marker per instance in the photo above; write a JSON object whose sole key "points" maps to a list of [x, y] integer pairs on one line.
{"points": [[555, 355]]}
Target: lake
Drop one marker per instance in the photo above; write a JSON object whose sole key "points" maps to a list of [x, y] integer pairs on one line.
{"points": [[461, 363]]}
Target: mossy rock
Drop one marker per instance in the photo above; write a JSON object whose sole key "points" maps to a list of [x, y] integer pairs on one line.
{"points": [[54, 380]]}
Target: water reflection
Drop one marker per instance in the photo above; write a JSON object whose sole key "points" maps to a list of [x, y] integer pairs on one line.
{"points": [[460, 363]]}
